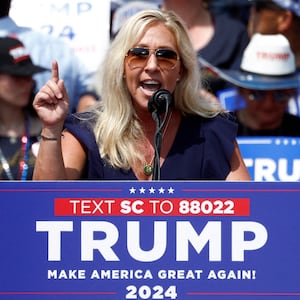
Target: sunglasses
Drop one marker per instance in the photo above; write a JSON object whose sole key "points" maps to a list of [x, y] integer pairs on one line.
{"points": [[137, 58], [278, 95]]}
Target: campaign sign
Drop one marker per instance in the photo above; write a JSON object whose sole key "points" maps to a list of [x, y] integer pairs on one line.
{"points": [[149, 240], [83, 24], [271, 158]]}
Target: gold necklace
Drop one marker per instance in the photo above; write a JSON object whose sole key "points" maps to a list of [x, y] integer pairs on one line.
{"points": [[148, 168]]}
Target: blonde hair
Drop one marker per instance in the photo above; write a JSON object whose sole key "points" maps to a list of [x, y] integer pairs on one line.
{"points": [[118, 129]]}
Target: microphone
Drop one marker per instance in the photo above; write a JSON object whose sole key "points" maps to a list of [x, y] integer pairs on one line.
{"points": [[158, 104], [160, 101]]}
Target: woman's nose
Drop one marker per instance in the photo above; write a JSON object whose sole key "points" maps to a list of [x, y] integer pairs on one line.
{"points": [[152, 62]]}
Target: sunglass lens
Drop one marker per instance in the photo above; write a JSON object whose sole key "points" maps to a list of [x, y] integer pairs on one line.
{"points": [[284, 95], [166, 53], [137, 57], [256, 95], [140, 52], [277, 95], [167, 58]]}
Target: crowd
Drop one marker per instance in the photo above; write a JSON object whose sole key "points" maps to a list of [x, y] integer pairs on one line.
{"points": [[113, 125]]}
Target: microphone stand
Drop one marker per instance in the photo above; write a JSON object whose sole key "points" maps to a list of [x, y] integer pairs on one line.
{"points": [[158, 104], [157, 146]]}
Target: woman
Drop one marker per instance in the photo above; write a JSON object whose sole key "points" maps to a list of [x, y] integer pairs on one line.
{"points": [[115, 141], [19, 124]]}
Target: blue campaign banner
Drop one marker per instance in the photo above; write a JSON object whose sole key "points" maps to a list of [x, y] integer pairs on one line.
{"points": [[271, 158], [149, 240]]}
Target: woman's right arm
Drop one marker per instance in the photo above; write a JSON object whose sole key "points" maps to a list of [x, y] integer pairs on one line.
{"points": [[60, 159], [60, 156]]}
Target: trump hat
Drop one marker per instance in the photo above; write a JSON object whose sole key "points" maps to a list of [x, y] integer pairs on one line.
{"points": [[267, 64], [15, 60]]}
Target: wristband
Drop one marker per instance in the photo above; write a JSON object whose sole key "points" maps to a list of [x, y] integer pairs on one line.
{"points": [[46, 138]]}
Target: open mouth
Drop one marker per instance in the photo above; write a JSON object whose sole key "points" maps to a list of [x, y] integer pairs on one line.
{"points": [[151, 85]]}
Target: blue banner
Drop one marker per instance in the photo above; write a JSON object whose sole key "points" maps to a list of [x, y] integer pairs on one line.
{"points": [[271, 158], [149, 240]]}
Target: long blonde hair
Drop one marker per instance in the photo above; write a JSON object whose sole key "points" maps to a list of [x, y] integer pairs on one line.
{"points": [[118, 128]]}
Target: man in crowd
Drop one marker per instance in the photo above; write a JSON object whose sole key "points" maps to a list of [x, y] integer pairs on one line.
{"points": [[279, 17]]}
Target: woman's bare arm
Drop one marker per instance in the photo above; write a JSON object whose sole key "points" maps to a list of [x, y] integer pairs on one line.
{"points": [[239, 170], [60, 157]]}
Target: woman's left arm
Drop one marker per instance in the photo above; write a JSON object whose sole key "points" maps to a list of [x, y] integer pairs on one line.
{"points": [[239, 170]]}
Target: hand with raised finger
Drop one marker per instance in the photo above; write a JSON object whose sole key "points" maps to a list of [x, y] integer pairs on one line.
{"points": [[52, 101]]}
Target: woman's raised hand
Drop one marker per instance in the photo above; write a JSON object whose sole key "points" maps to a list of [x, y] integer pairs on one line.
{"points": [[52, 101]]}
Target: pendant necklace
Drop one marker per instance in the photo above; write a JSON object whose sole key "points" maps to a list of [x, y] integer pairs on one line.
{"points": [[23, 164], [148, 168]]}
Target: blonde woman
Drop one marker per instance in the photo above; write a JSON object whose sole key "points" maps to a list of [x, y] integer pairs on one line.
{"points": [[115, 139]]}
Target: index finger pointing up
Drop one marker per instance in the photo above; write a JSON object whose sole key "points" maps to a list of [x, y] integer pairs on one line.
{"points": [[55, 73]]}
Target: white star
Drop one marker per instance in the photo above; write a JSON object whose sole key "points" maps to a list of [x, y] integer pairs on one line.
{"points": [[142, 190], [152, 190], [171, 190], [132, 190], [161, 190]]}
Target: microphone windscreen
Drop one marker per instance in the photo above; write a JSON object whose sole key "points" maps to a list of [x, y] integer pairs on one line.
{"points": [[159, 101]]}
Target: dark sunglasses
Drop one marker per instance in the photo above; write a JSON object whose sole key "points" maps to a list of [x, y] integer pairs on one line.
{"points": [[137, 57], [278, 95]]}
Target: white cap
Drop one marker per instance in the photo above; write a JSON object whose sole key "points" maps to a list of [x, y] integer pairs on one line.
{"points": [[268, 55]]}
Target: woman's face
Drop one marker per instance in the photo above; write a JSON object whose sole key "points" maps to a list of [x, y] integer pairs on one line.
{"points": [[15, 90], [147, 73]]}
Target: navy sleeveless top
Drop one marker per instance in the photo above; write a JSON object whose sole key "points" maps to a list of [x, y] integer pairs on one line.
{"points": [[201, 150]]}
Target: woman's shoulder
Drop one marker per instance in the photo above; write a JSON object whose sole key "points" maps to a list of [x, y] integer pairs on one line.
{"points": [[81, 120], [221, 127], [81, 126], [204, 146], [222, 118]]}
